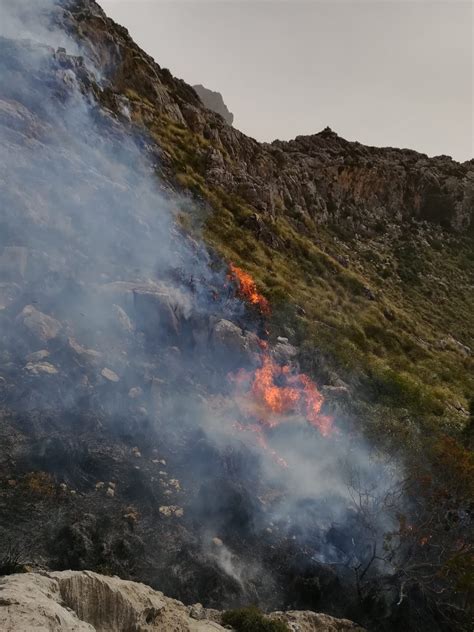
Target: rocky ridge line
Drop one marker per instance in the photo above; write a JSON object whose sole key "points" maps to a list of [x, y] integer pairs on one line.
{"points": [[322, 176]]}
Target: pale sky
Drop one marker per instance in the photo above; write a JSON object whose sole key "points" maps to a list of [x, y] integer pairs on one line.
{"points": [[382, 72]]}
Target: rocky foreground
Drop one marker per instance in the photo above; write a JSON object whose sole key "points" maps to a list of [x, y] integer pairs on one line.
{"points": [[73, 601]]}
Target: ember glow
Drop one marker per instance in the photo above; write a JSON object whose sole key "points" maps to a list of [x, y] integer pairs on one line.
{"points": [[275, 394], [247, 289]]}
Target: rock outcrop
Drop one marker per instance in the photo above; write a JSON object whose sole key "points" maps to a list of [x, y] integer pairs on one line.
{"points": [[72, 601], [214, 101]]}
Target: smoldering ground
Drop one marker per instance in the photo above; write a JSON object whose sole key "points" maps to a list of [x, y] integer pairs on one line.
{"points": [[122, 308]]}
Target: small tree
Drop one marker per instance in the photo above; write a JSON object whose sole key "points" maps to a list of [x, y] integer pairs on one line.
{"points": [[432, 546]]}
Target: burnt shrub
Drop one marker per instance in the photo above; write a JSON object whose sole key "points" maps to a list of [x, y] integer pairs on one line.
{"points": [[251, 619], [11, 556]]}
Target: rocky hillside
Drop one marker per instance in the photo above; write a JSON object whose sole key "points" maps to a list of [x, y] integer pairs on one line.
{"points": [[367, 251], [87, 602], [238, 372]]}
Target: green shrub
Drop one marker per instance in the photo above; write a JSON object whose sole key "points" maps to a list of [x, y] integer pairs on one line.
{"points": [[252, 620]]}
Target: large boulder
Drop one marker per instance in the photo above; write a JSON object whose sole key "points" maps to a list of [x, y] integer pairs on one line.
{"points": [[82, 601], [32, 603], [232, 344], [284, 353], [155, 314], [307, 621], [109, 603], [39, 325], [158, 310]]}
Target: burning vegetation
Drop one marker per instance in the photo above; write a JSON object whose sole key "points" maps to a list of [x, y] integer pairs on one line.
{"points": [[247, 289], [275, 394]]}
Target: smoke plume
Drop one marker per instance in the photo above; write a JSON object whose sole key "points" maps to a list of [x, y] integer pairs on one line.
{"points": [[124, 306]]}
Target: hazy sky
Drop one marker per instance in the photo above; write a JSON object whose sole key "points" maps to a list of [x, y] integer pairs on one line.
{"points": [[382, 72]]}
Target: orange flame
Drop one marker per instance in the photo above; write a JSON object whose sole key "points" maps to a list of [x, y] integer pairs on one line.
{"points": [[247, 289], [273, 394], [276, 392]]}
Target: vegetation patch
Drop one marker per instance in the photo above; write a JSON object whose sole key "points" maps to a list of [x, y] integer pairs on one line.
{"points": [[252, 619]]}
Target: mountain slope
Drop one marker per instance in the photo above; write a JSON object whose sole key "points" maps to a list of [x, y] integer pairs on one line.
{"points": [[375, 244], [159, 416]]}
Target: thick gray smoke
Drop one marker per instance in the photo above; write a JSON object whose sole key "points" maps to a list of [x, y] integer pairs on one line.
{"points": [[118, 297]]}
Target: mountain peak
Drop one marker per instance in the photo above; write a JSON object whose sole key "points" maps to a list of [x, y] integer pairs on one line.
{"points": [[215, 102]]}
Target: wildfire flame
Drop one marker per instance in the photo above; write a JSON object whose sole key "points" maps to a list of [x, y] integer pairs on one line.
{"points": [[247, 289], [273, 394], [276, 393]]}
